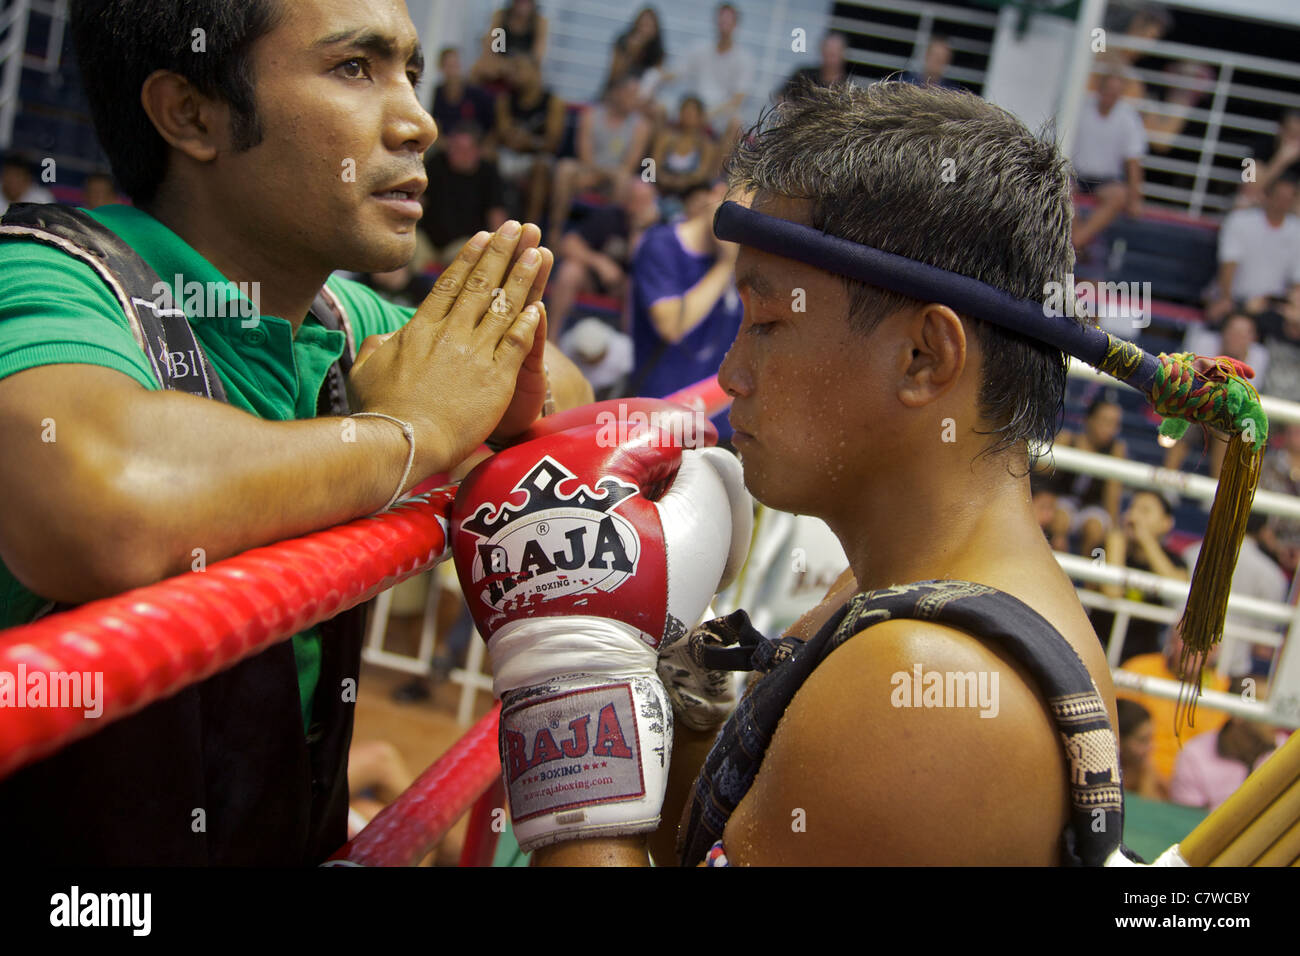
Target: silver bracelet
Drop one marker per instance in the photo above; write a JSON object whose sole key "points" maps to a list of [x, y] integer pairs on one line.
{"points": [[409, 432]]}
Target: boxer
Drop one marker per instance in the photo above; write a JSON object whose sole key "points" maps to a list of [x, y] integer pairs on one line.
{"points": [[949, 703]]}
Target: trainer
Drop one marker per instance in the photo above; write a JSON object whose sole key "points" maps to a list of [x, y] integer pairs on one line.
{"points": [[265, 144]]}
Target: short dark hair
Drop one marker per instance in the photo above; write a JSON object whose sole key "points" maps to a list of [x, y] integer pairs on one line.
{"points": [[119, 43], [1105, 397], [17, 159], [870, 160], [1166, 504], [1131, 715]]}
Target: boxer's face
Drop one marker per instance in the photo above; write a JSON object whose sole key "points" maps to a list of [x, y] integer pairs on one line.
{"points": [[337, 177], [807, 418]]}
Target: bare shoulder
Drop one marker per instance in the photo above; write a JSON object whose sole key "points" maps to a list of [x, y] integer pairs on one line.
{"points": [[912, 744]]}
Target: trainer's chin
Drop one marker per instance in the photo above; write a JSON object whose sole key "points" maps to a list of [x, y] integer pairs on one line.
{"points": [[383, 252]]}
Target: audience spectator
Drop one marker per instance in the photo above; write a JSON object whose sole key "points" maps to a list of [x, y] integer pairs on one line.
{"points": [[1088, 506], [18, 182], [1237, 338], [1136, 738], [1140, 544], [529, 129], [1257, 575], [685, 155], [594, 256], [639, 52], [1279, 327], [377, 775], [456, 101], [1275, 157], [517, 29], [1259, 253], [722, 74], [1148, 24], [1044, 497], [1167, 665], [1108, 148], [1213, 765], [612, 141], [603, 354], [833, 69], [684, 305], [1280, 472], [468, 192], [937, 60], [99, 190]]}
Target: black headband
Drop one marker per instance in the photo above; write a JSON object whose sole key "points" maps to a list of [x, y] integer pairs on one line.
{"points": [[1124, 360]]}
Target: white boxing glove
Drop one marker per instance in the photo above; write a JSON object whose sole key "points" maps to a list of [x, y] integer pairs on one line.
{"points": [[575, 570]]}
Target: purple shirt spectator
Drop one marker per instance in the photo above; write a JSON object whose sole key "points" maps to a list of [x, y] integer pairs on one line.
{"points": [[663, 269]]}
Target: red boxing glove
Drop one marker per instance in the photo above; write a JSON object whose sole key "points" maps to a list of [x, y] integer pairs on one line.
{"points": [[575, 562]]}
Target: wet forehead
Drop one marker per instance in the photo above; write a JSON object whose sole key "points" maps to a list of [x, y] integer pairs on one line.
{"points": [[771, 277]]}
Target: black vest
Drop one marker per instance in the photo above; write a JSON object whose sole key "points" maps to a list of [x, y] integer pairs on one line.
{"points": [[220, 773], [1096, 821]]}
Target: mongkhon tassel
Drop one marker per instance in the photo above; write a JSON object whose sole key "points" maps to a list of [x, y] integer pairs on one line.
{"points": [[1215, 393]]}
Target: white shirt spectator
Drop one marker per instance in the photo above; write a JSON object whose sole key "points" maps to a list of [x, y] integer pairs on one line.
{"points": [[603, 354], [1267, 256], [716, 77], [1103, 144], [1257, 576], [34, 193]]}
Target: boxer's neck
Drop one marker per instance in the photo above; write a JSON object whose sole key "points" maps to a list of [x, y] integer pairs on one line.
{"points": [[926, 519]]}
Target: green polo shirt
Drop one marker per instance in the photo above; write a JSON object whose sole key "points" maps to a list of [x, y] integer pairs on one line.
{"points": [[55, 310]]}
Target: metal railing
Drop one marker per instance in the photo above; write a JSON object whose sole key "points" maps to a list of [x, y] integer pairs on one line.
{"points": [[1216, 116], [927, 19], [1284, 698], [14, 16]]}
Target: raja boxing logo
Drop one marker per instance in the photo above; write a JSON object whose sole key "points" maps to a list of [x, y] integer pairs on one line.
{"points": [[585, 749], [553, 545]]}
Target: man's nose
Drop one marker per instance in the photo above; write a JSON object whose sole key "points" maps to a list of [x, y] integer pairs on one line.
{"points": [[733, 375], [411, 125]]}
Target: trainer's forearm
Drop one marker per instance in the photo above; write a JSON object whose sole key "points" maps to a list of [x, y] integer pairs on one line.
{"points": [[197, 474]]}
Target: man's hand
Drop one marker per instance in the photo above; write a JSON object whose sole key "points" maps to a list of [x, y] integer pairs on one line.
{"points": [[1217, 310], [470, 358], [609, 271]]}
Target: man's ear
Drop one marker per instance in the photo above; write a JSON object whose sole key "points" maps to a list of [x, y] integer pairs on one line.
{"points": [[189, 121], [934, 344]]}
